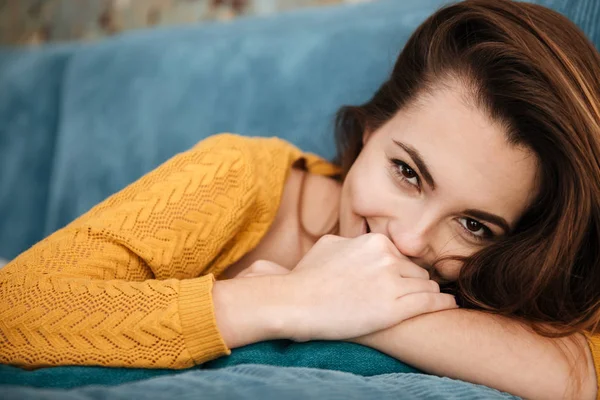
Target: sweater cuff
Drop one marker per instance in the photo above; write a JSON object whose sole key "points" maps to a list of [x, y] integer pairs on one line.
{"points": [[198, 322]]}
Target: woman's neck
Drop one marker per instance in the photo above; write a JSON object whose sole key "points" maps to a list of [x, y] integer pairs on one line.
{"points": [[318, 206]]}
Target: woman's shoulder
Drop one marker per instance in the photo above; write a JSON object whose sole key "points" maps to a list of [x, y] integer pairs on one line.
{"points": [[266, 153]]}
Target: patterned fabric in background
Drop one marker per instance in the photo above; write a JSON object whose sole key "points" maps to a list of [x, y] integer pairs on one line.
{"points": [[34, 22]]}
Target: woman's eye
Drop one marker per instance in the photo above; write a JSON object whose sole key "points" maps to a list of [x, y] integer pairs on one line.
{"points": [[475, 228], [405, 172]]}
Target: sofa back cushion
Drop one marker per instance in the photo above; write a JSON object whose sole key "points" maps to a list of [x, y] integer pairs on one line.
{"points": [[78, 123], [30, 106], [134, 101]]}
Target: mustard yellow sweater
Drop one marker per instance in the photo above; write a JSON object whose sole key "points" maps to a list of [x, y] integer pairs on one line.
{"points": [[128, 284]]}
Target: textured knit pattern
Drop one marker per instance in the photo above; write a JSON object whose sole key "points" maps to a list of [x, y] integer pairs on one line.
{"points": [[129, 283]]}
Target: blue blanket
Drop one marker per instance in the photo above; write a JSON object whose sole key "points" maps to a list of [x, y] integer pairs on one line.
{"points": [[339, 356], [295, 370], [269, 382]]}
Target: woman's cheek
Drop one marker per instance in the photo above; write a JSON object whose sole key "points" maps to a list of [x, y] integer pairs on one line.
{"points": [[449, 270], [369, 194], [364, 202]]}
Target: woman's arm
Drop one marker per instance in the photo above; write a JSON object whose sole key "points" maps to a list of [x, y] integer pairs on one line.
{"points": [[490, 350], [121, 286]]}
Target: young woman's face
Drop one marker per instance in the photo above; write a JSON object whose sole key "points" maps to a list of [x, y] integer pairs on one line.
{"points": [[438, 180]]}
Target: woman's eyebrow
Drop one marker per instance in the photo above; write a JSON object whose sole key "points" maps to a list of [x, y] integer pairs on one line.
{"points": [[418, 160]]}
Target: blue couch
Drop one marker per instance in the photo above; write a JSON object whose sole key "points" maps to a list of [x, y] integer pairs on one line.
{"points": [[79, 122]]}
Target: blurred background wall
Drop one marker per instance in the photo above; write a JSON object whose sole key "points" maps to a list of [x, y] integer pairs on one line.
{"points": [[35, 22]]}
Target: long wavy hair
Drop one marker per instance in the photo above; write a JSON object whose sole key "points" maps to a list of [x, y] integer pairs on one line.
{"points": [[535, 73]]}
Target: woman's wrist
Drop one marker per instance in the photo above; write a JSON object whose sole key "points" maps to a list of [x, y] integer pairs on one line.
{"points": [[251, 310]]}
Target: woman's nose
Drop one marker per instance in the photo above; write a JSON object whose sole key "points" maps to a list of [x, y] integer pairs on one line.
{"points": [[412, 240], [411, 244]]}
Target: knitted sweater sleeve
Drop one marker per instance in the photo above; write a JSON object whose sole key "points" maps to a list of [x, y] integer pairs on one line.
{"points": [[126, 284]]}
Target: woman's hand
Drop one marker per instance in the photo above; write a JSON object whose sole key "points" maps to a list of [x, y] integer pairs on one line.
{"points": [[345, 288]]}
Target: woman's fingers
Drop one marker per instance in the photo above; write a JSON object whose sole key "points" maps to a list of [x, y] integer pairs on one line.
{"points": [[408, 269], [416, 285]]}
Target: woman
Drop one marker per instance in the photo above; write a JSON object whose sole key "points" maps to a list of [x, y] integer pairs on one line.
{"points": [[473, 167]]}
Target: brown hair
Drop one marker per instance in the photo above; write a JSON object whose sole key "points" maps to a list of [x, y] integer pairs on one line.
{"points": [[533, 71]]}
